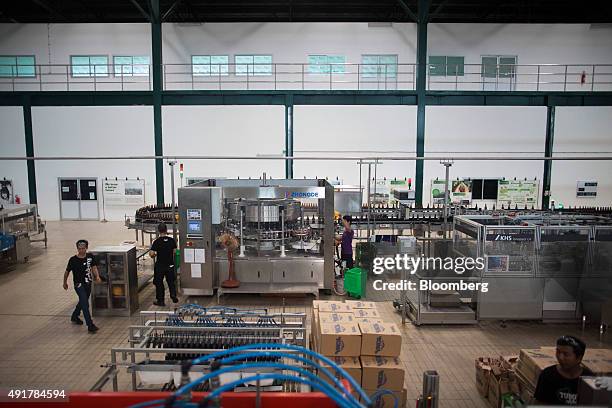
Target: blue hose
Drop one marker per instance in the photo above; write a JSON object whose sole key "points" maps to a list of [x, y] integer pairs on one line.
{"points": [[293, 357], [382, 392], [329, 362], [340, 402], [328, 388]]}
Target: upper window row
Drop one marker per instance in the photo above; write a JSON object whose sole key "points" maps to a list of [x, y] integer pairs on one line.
{"points": [[373, 65], [257, 65], [492, 66]]}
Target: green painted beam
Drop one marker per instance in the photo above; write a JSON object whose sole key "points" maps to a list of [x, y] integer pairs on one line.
{"points": [[548, 152], [156, 52], [29, 147], [449, 98], [289, 137], [423, 10], [78, 98]]}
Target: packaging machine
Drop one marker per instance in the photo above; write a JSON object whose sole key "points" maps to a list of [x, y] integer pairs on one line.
{"points": [[285, 230], [542, 266], [19, 225], [163, 340]]}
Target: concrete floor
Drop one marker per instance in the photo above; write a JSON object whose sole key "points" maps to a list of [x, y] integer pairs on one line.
{"points": [[40, 348]]}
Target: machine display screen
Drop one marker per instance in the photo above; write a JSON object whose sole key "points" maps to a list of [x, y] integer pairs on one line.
{"points": [[194, 227]]}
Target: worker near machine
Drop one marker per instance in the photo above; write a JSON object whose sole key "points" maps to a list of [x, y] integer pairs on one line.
{"points": [[346, 242], [82, 265], [558, 384], [163, 250]]}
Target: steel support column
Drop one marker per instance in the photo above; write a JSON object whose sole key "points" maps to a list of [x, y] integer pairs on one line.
{"points": [[289, 136], [29, 147], [156, 52], [423, 12], [548, 152]]}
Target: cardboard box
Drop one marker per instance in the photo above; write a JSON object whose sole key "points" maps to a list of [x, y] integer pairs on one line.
{"points": [[352, 366], [599, 361], [325, 317], [380, 339], [317, 303], [336, 307], [483, 371], [340, 339], [360, 304], [382, 372], [367, 320], [533, 361], [590, 393], [387, 401], [366, 313]]}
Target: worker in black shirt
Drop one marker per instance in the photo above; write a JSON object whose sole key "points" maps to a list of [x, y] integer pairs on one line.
{"points": [[558, 384], [82, 265], [162, 251]]}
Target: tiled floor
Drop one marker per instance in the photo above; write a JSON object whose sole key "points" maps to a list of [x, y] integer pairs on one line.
{"points": [[39, 347]]}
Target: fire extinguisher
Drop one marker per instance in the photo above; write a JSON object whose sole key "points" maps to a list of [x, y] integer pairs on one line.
{"points": [[583, 78], [17, 199]]}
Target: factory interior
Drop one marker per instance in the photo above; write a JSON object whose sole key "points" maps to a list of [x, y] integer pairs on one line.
{"points": [[356, 204]]}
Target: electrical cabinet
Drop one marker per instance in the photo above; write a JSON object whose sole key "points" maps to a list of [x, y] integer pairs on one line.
{"points": [[117, 294]]}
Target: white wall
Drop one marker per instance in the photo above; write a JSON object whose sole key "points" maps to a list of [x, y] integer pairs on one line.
{"points": [[288, 42], [582, 129], [55, 43], [353, 131], [12, 140], [224, 131], [292, 42], [261, 129], [89, 132], [475, 131], [532, 44]]}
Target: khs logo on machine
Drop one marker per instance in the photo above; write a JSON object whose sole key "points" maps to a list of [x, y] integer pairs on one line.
{"points": [[503, 237], [301, 194]]}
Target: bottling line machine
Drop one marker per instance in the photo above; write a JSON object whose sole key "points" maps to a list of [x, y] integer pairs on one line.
{"points": [[285, 230]]}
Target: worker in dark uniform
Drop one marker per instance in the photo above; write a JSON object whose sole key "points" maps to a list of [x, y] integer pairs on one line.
{"points": [[558, 384], [163, 250], [346, 242], [82, 265]]}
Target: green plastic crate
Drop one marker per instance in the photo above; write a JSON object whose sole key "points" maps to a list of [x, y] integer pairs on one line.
{"points": [[355, 282]]}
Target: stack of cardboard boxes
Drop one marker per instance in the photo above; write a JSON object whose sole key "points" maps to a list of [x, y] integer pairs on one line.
{"points": [[498, 378], [355, 337]]}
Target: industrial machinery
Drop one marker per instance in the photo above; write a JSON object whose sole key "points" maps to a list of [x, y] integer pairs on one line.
{"points": [[544, 266], [165, 339], [117, 294], [19, 225], [285, 230]]}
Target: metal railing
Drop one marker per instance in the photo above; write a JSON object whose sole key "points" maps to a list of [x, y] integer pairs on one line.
{"points": [[303, 76]]}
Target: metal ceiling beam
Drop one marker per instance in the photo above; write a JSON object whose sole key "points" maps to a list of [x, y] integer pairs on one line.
{"points": [[439, 8], [407, 10], [170, 10], [9, 18], [49, 9], [144, 13]]}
